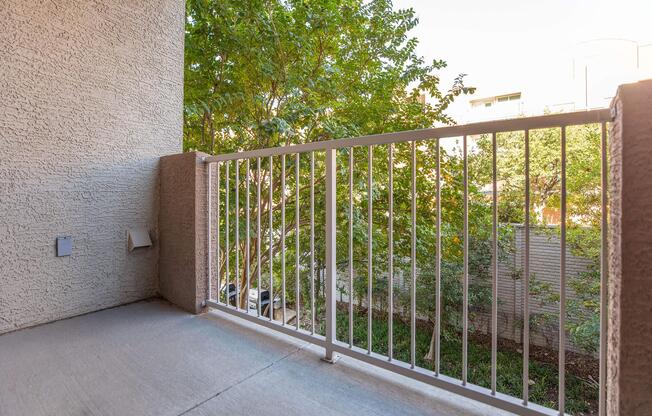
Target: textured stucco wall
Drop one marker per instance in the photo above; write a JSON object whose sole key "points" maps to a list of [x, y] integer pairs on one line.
{"points": [[629, 355], [90, 98]]}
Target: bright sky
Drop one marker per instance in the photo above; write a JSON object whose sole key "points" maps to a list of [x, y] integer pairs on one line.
{"points": [[510, 45]]}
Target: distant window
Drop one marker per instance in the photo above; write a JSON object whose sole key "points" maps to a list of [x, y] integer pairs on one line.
{"points": [[487, 104], [511, 97]]}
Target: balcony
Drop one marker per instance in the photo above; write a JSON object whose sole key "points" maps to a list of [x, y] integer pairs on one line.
{"points": [[272, 325], [327, 277]]}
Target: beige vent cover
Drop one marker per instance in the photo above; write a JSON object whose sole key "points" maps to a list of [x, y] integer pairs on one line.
{"points": [[138, 237]]}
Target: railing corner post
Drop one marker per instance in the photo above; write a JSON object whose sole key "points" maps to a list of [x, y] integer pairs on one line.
{"points": [[629, 339], [331, 262], [185, 247]]}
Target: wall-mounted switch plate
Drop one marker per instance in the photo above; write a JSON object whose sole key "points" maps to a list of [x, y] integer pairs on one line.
{"points": [[64, 246]]}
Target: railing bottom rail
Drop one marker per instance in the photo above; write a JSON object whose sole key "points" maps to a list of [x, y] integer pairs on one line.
{"points": [[453, 385]]}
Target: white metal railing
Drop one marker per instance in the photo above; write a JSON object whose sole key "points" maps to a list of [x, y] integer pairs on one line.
{"points": [[332, 346]]}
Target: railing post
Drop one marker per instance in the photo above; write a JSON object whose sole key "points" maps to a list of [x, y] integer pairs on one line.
{"points": [[183, 230], [331, 196], [629, 341]]}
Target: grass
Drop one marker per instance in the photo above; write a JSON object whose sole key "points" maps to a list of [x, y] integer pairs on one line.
{"points": [[581, 395]]}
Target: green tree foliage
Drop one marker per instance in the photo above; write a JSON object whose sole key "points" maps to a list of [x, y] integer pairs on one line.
{"points": [[261, 73], [583, 169], [270, 73]]}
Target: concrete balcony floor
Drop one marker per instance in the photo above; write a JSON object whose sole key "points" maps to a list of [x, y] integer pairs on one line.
{"points": [[150, 358]]}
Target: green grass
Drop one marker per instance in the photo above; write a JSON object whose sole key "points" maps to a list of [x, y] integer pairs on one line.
{"points": [[581, 396]]}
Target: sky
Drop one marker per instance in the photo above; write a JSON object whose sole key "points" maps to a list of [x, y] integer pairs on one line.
{"points": [[512, 45]]}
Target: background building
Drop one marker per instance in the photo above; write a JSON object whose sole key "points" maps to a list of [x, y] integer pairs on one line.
{"points": [[590, 73]]}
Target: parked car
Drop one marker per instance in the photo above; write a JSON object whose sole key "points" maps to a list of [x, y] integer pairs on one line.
{"points": [[253, 299]]}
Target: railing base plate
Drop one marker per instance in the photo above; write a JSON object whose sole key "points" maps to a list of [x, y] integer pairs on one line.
{"points": [[335, 358]]}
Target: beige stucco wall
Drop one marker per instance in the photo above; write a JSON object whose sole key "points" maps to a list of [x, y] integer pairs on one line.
{"points": [[90, 98]]}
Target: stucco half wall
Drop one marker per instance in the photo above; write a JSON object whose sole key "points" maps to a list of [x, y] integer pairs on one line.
{"points": [[91, 98]]}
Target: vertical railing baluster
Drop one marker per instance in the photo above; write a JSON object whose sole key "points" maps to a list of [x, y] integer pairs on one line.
{"points": [[331, 247], [209, 228], [218, 286], [297, 294], [494, 263], [312, 242], [283, 238], [390, 244], [227, 233], [237, 234], [271, 243], [562, 281], [350, 247], [438, 260], [526, 277], [604, 270], [413, 259], [370, 156], [465, 290], [258, 235], [247, 241]]}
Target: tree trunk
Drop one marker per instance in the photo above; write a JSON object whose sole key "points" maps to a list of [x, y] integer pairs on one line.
{"points": [[212, 135], [430, 356]]}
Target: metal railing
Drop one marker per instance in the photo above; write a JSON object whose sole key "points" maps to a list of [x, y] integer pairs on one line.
{"points": [[332, 345]]}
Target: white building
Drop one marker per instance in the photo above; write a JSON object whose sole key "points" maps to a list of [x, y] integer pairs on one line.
{"points": [[593, 70]]}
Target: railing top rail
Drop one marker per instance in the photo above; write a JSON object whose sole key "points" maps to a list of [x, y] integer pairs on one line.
{"points": [[485, 127]]}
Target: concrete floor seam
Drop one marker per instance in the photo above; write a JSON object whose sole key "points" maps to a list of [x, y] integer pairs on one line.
{"points": [[254, 374]]}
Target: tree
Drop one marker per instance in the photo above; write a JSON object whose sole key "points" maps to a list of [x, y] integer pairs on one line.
{"points": [[268, 73], [262, 73]]}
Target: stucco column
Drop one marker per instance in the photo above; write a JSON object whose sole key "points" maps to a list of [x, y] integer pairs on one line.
{"points": [[629, 366], [182, 231]]}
